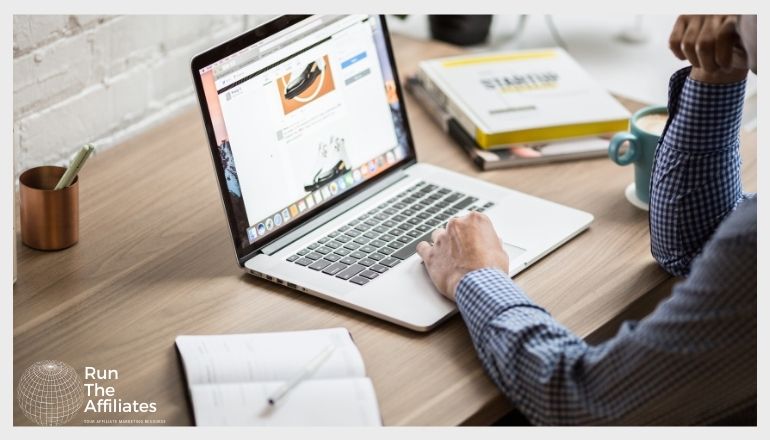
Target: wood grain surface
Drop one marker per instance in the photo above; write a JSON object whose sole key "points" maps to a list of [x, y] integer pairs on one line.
{"points": [[155, 260]]}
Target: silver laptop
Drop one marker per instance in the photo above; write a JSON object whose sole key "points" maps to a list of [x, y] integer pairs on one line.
{"points": [[319, 179]]}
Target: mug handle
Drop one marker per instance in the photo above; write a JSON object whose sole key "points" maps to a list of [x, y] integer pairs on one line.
{"points": [[616, 142]]}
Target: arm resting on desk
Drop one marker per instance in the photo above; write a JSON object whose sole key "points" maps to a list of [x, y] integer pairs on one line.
{"points": [[696, 179], [690, 360]]}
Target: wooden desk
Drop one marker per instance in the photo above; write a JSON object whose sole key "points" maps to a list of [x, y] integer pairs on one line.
{"points": [[155, 260]]}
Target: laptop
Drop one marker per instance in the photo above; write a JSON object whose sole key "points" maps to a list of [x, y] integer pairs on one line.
{"points": [[319, 178]]}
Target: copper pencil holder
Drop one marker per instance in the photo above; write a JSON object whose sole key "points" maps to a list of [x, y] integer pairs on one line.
{"points": [[49, 218]]}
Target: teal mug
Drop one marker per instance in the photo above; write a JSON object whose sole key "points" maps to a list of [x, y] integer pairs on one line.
{"points": [[645, 129]]}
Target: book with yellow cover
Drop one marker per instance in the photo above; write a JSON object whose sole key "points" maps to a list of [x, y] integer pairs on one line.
{"points": [[522, 97]]}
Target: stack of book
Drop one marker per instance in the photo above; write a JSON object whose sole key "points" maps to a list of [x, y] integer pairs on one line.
{"points": [[518, 108]]}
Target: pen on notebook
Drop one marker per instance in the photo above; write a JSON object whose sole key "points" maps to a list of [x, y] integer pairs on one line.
{"points": [[75, 166], [303, 374]]}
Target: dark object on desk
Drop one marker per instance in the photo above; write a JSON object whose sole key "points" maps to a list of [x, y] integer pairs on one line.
{"points": [[462, 30], [49, 218]]}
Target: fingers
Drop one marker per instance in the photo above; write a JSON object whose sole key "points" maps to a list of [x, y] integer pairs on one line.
{"points": [[436, 235], [732, 54], [675, 40], [479, 218], [723, 50], [424, 250], [690, 38], [706, 43], [458, 226]]}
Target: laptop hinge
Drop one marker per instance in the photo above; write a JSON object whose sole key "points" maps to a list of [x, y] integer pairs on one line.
{"points": [[332, 213]]}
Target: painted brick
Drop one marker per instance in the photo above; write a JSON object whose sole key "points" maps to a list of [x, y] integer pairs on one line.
{"points": [[130, 97], [47, 135], [181, 31], [31, 31], [127, 41], [16, 143], [88, 21], [253, 21], [96, 111], [52, 73], [172, 73], [102, 79]]}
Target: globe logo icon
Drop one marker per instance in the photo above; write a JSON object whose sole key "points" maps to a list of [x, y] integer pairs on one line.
{"points": [[50, 393]]}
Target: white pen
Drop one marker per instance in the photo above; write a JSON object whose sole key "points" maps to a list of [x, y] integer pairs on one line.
{"points": [[306, 371]]}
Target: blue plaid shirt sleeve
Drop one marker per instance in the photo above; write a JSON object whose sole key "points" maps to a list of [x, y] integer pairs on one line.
{"points": [[696, 179], [694, 358]]}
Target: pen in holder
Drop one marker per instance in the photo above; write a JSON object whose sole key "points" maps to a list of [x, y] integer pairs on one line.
{"points": [[49, 218]]}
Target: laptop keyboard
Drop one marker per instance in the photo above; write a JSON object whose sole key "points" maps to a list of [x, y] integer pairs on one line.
{"points": [[371, 244]]}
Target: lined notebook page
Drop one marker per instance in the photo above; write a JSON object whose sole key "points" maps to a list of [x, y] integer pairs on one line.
{"points": [[328, 402], [231, 376], [267, 357]]}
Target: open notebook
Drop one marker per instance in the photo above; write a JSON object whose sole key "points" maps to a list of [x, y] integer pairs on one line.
{"points": [[231, 376]]}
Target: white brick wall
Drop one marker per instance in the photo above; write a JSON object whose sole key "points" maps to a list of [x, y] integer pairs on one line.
{"points": [[101, 79]]}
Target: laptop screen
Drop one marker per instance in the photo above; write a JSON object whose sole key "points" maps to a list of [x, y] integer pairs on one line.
{"points": [[302, 117]]}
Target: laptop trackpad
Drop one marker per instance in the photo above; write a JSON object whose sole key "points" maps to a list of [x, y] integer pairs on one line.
{"points": [[513, 252]]}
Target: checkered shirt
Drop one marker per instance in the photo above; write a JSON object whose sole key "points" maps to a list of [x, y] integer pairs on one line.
{"points": [[694, 358]]}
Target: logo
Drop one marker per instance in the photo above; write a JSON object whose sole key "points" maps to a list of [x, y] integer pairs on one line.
{"points": [[318, 197], [269, 224], [293, 210], [261, 228], [277, 219], [349, 179], [285, 214], [302, 206], [310, 202], [50, 393], [333, 188], [357, 175], [325, 192]]}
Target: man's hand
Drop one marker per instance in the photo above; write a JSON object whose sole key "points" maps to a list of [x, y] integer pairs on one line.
{"points": [[712, 45], [467, 244]]}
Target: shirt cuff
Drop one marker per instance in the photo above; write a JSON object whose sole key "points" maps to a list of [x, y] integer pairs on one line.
{"points": [[484, 294], [703, 115]]}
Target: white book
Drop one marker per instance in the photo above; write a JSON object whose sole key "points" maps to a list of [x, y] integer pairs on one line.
{"points": [[231, 376], [522, 97]]}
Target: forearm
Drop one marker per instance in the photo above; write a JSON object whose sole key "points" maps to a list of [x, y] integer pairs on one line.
{"points": [[645, 373], [696, 175], [535, 361]]}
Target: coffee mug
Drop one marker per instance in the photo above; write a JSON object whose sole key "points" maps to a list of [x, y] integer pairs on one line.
{"points": [[646, 126]]}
